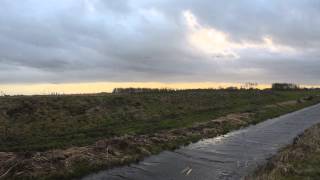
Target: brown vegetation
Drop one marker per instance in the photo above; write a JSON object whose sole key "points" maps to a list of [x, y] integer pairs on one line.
{"points": [[301, 160]]}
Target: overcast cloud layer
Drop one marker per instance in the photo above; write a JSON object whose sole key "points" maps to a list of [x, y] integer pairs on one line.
{"points": [[57, 41]]}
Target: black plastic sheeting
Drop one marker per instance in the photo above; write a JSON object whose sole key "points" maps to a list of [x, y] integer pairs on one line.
{"points": [[231, 156]]}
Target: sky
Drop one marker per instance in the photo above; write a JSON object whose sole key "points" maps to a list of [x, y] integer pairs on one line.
{"points": [[55, 43]]}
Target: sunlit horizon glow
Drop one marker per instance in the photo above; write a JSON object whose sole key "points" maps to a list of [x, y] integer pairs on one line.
{"points": [[98, 87]]}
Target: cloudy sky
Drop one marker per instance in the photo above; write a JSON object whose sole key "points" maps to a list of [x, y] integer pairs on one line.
{"points": [[165, 41]]}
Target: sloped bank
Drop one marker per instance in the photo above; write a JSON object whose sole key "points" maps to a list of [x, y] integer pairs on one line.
{"points": [[300, 160], [108, 153]]}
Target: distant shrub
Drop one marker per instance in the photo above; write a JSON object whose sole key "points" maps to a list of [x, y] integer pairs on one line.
{"points": [[285, 86]]}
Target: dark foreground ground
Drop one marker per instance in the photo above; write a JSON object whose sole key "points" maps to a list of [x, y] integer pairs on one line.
{"points": [[69, 136], [298, 161]]}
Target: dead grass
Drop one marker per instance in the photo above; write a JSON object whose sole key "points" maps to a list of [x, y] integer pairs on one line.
{"points": [[301, 160]]}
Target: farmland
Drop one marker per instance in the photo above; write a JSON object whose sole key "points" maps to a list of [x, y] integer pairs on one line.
{"points": [[78, 134]]}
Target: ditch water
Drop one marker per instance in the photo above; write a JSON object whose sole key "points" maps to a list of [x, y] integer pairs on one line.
{"points": [[231, 156]]}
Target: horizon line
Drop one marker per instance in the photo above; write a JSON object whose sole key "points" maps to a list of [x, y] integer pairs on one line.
{"points": [[107, 87]]}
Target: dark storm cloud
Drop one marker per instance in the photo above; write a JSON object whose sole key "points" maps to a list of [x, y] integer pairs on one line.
{"points": [[142, 40]]}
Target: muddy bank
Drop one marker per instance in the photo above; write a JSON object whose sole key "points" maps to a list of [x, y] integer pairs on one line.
{"points": [[300, 160]]}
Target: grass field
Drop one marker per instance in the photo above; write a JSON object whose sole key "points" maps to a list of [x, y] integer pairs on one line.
{"points": [[46, 122], [68, 136]]}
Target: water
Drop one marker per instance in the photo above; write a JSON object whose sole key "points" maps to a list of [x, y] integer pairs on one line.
{"points": [[231, 156]]}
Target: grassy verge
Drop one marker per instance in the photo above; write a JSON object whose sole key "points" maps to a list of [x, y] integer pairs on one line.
{"points": [[39, 123], [301, 160], [89, 133]]}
